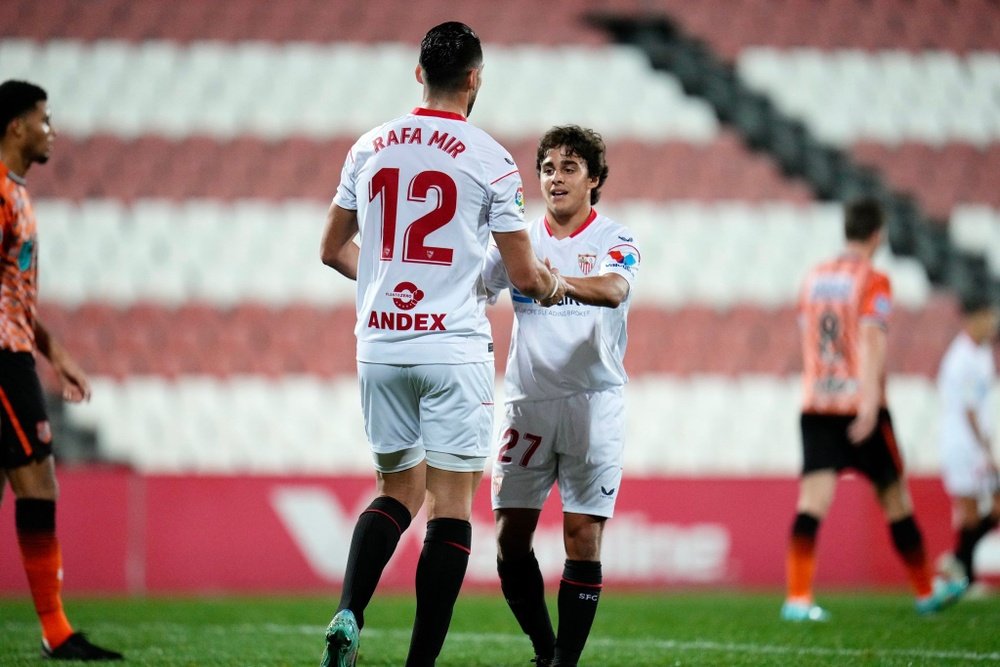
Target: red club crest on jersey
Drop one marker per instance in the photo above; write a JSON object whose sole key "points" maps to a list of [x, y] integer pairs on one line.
{"points": [[406, 295], [586, 263]]}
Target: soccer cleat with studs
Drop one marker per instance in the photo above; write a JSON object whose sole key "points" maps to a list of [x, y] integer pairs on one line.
{"points": [[803, 612], [78, 647], [946, 593], [342, 638]]}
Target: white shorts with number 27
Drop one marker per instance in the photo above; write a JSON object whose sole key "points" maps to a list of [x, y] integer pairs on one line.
{"points": [[576, 441]]}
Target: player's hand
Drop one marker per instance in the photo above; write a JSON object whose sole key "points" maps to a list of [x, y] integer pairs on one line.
{"points": [[75, 385], [560, 291], [861, 428]]}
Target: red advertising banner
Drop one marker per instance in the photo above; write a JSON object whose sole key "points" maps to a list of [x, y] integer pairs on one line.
{"points": [[124, 532]]}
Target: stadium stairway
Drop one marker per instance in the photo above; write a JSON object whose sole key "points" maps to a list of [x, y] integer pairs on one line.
{"points": [[831, 173]]}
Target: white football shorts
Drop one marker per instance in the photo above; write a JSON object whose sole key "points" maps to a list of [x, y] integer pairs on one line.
{"points": [[577, 441], [966, 472], [443, 412]]}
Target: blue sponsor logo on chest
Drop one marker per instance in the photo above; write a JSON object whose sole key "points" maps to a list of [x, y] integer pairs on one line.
{"points": [[24, 257]]}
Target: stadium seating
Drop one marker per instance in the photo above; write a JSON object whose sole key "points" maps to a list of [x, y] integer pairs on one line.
{"points": [[201, 143]]}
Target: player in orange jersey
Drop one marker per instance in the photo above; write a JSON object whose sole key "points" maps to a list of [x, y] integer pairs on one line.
{"points": [[844, 313], [25, 436]]}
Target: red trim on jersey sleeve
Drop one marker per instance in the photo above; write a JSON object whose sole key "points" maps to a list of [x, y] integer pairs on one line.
{"points": [[497, 180], [420, 111]]}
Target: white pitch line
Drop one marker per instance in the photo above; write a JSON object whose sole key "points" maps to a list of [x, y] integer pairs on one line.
{"points": [[678, 645]]}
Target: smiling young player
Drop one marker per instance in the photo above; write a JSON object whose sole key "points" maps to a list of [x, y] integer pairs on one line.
{"points": [[564, 417]]}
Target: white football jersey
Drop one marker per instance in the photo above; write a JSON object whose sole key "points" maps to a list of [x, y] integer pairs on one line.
{"points": [[569, 348], [965, 379], [428, 188]]}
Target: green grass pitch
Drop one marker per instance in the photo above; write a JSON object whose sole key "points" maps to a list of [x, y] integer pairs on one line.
{"points": [[633, 630]]}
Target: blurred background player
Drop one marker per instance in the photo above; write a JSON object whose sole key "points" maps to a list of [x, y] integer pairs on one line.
{"points": [[25, 434], [425, 191], [968, 466], [844, 313], [564, 419]]}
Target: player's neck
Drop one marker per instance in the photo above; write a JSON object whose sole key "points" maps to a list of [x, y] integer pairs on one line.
{"points": [[975, 334], [860, 249], [565, 225], [14, 161], [457, 103]]}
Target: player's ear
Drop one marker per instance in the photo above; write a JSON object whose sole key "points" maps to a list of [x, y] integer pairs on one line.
{"points": [[15, 125], [419, 73], [472, 79]]}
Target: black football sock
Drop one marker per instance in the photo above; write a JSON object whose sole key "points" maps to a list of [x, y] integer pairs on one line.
{"points": [[524, 589], [965, 546], [909, 544], [966, 541], [440, 572], [986, 524], [376, 535], [579, 593]]}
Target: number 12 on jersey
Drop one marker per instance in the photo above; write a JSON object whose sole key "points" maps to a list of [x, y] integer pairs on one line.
{"points": [[385, 184]]}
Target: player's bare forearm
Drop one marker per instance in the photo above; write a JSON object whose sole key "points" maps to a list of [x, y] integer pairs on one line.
{"points": [[529, 276], [43, 342], [338, 250], [872, 354], [607, 291], [874, 344], [75, 385], [977, 431]]}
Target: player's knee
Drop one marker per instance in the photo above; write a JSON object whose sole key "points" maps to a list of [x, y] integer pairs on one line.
{"points": [[583, 541], [34, 481], [512, 545]]}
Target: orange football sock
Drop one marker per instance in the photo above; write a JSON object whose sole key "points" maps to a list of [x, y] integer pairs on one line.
{"points": [[920, 578], [800, 565], [801, 568], [909, 544], [42, 560]]}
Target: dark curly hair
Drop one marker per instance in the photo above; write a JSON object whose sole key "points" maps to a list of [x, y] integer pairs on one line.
{"points": [[579, 142]]}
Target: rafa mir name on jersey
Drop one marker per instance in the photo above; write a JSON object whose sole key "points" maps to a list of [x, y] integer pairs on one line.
{"points": [[412, 135]]}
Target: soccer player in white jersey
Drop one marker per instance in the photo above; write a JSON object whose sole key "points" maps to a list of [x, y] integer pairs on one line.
{"points": [[424, 192], [969, 468], [564, 415]]}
